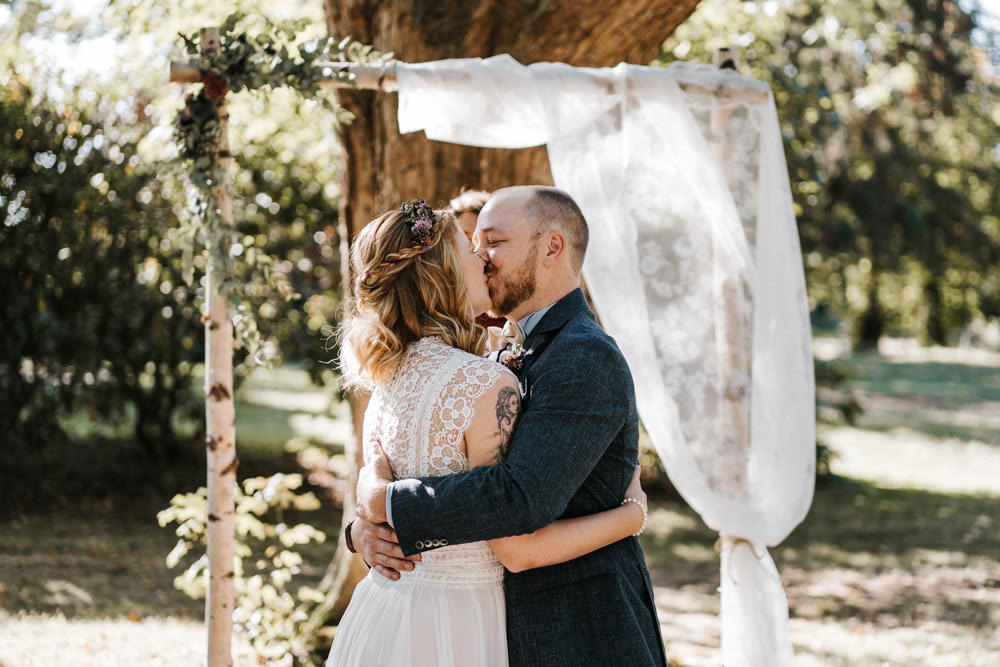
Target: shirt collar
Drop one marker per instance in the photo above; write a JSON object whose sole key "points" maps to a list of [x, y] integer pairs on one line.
{"points": [[529, 321]]}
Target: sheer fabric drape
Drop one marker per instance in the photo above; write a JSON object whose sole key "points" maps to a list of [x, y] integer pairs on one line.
{"points": [[693, 266]]}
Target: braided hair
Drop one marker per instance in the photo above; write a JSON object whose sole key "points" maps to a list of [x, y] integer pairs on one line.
{"points": [[409, 284]]}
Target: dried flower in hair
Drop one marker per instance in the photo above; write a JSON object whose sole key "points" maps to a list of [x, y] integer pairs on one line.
{"points": [[420, 217]]}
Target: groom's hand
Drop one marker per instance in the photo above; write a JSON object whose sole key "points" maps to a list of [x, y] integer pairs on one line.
{"points": [[373, 482], [378, 545]]}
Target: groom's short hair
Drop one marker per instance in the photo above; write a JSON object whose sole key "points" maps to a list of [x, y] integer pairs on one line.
{"points": [[550, 208]]}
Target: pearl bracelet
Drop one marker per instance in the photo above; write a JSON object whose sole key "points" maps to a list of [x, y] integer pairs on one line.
{"points": [[630, 499]]}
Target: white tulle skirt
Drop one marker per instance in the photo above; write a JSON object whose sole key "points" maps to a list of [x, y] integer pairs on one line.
{"points": [[448, 612]]}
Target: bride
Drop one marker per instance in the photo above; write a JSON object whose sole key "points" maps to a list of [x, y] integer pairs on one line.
{"points": [[438, 407]]}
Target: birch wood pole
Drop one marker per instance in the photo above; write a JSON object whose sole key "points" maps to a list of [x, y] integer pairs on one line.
{"points": [[732, 333], [220, 420]]}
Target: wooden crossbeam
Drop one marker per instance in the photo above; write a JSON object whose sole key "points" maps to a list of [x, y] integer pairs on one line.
{"points": [[366, 77], [383, 77]]}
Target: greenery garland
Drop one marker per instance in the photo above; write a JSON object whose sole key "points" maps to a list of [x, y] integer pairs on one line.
{"points": [[271, 59]]}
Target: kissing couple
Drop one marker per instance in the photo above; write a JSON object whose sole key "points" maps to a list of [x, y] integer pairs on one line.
{"points": [[499, 504]]}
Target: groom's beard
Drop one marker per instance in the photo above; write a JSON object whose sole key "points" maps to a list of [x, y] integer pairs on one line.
{"points": [[513, 291]]}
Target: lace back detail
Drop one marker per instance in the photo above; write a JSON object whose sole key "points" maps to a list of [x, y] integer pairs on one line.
{"points": [[420, 417]]}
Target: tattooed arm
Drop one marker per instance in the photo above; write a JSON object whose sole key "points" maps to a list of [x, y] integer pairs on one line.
{"points": [[487, 442], [507, 409], [488, 437]]}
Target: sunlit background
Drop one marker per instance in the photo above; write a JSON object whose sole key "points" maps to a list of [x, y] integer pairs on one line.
{"points": [[892, 138]]}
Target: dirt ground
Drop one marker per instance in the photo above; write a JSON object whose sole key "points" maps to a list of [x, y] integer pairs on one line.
{"points": [[897, 563]]}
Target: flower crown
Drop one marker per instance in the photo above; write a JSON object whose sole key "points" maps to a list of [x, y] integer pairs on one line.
{"points": [[420, 217]]}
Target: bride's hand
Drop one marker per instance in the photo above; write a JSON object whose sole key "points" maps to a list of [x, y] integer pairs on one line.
{"points": [[373, 480], [634, 489]]}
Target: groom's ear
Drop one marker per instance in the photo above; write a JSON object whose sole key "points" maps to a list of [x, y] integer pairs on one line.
{"points": [[555, 247]]}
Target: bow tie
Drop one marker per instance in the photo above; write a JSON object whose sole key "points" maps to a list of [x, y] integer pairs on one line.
{"points": [[512, 334]]}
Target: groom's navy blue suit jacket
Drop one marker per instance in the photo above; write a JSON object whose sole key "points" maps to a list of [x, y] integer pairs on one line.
{"points": [[572, 453]]}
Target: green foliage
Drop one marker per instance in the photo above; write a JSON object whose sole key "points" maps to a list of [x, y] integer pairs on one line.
{"points": [[831, 380], [892, 137], [272, 58], [835, 402], [270, 609], [99, 238], [93, 314], [275, 56], [824, 458]]}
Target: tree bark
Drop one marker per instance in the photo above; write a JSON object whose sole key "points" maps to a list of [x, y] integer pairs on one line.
{"points": [[383, 168]]}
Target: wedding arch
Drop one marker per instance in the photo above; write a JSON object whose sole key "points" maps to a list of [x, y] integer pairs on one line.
{"points": [[694, 267]]}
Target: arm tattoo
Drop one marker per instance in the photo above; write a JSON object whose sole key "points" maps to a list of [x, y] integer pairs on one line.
{"points": [[508, 407]]}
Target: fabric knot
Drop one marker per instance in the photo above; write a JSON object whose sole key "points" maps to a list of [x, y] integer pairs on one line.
{"points": [[728, 542], [512, 334]]}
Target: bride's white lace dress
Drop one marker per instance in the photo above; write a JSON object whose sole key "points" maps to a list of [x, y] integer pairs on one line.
{"points": [[450, 609]]}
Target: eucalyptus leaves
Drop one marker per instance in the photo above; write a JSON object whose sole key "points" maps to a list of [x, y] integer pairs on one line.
{"points": [[269, 57]]}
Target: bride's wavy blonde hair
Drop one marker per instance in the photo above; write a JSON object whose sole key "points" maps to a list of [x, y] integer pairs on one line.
{"points": [[405, 288]]}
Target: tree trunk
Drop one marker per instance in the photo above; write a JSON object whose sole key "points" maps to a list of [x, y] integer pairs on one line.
{"points": [[870, 324], [931, 320], [220, 428], [384, 168]]}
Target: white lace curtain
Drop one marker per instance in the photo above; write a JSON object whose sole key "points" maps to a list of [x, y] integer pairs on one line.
{"points": [[694, 268]]}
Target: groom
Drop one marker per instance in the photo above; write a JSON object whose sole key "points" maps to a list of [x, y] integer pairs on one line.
{"points": [[572, 453]]}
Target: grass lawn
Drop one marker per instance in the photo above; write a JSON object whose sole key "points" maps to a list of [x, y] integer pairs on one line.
{"points": [[897, 563]]}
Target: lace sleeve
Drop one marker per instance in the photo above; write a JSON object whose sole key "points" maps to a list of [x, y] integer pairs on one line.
{"points": [[454, 411]]}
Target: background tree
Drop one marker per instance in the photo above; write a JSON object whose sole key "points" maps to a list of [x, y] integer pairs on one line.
{"points": [[888, 110]]}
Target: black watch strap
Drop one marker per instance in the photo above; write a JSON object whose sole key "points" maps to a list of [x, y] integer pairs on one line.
{"points": [[347, 537]]}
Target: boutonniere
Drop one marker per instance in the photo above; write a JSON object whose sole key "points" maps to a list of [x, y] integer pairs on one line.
{"points": [[515, 360]]}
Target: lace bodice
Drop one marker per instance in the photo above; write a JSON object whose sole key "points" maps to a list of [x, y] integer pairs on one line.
{"points": [[420, 417]]}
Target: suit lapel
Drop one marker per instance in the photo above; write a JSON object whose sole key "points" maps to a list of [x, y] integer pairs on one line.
{"points": [[554, 320]]}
